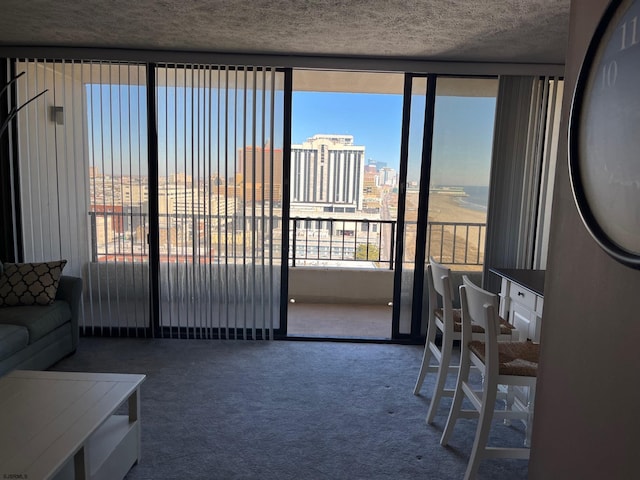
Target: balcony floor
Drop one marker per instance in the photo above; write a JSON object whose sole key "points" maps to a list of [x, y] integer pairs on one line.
{"points": [[339, 320]]}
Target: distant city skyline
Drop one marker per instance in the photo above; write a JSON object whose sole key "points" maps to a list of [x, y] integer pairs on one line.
{"points": [[463, 132]]}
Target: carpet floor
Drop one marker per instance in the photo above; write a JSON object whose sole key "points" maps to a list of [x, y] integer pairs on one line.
{"points": [[288, 410]]}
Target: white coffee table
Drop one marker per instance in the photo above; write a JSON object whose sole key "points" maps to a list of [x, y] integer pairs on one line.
{"points": [[59, 425]]}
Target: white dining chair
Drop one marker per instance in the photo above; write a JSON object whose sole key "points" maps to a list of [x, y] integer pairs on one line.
{"points": [[447, 320], [511, 364]]}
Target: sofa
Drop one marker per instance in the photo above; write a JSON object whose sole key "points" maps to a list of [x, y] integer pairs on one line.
{"points": [[34, 337]]}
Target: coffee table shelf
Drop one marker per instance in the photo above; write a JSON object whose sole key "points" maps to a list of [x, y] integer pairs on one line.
{"points": [[66, 425]]}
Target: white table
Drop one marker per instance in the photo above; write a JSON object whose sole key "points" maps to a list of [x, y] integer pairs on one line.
{"points": [[59, 425], [521, 303], [522, 300]]}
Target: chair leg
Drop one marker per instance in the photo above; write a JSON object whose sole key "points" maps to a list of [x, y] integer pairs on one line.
{"points": [[443, 371], [528, 432], [508, 403], [531, 393], [456, 405], [426, 358], [482, 431]]}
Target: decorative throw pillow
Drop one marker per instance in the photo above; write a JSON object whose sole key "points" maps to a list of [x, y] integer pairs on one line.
{"points": [[30, 283]]}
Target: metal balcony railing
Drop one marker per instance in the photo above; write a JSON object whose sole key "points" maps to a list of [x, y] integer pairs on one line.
{"points": [[456, 243], [347, 239], [197, 238]]}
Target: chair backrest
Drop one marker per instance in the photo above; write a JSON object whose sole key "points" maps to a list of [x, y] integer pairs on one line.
{"points": [[441, 283], [480, 307]]}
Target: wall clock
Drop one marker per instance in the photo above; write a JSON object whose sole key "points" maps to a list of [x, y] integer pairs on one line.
{"points": [[604, 134]]}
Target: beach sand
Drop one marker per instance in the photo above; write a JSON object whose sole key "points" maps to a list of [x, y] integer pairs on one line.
{"points": [[468, 242], [445, 208]]}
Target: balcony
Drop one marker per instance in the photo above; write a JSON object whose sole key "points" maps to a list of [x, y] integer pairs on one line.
{"points": [[338, 268]]}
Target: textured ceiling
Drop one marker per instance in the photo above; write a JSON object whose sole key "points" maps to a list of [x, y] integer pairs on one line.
{"points": [[522, 31]]}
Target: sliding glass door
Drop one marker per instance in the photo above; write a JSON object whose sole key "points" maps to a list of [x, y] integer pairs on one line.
{"points": [[460, 165], [220, 163], [412, 169], [179, 236], [446, 160], [345, 132]]}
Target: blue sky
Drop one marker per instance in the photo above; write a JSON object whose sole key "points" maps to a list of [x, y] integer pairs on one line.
{"points": [[462, 140], [463, 130], [373, 120]]}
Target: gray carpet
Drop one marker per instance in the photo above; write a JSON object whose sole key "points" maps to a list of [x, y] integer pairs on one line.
{"points": [[287, 410]]}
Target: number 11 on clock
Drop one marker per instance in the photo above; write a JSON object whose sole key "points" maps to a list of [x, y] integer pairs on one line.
{"points": [[629, 33]]}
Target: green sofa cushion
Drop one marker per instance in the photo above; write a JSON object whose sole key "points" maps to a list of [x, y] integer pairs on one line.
{"points": [[39, 320], [13, 338]]}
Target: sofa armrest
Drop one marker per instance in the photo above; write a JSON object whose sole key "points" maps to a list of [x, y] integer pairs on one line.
{"points": [[70, 290]]}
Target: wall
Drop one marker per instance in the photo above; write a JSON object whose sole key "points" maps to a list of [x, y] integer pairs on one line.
{"points": [[52, 158], [333, 285], [586, 419]]}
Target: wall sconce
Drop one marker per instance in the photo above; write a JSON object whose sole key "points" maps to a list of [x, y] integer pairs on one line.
{"points": [[57, 115]]}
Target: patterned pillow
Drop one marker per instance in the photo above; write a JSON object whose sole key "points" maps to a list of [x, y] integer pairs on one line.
{"points": [[30, 283]]}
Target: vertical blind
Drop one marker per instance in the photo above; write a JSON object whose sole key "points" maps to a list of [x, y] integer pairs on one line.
{"points": [[81, 151], [525, 142], [84, 192], [553, 99], [219, 189]]}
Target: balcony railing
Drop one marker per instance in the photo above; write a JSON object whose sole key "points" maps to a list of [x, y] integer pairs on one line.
{"points": [[329, 239], [456, 243], [188, 238]]}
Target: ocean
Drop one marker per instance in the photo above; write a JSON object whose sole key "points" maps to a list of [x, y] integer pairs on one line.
{"points": [[477, 199]]}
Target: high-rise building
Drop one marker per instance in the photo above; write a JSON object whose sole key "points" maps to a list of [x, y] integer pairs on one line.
{"points": [[328, 169], [261, 174], [132, 193], [371, 190], [388, 176], [180, 178], [184, 202]]}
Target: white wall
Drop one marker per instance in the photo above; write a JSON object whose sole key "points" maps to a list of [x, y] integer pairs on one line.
{"points": [[586, 423], [333, 285], [52, 161]]}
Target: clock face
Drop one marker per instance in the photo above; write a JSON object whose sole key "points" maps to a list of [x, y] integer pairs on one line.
{"points": [[605, 134]]}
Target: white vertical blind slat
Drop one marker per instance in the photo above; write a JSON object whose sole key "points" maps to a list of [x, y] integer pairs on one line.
{"points": [[272, 114], [236, 311], [261, 223], [254, 233], [39, 176], [244, 204], [219, 245]]}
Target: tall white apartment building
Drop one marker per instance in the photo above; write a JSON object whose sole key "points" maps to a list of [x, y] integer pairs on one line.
{"points": [[328, 169]]}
